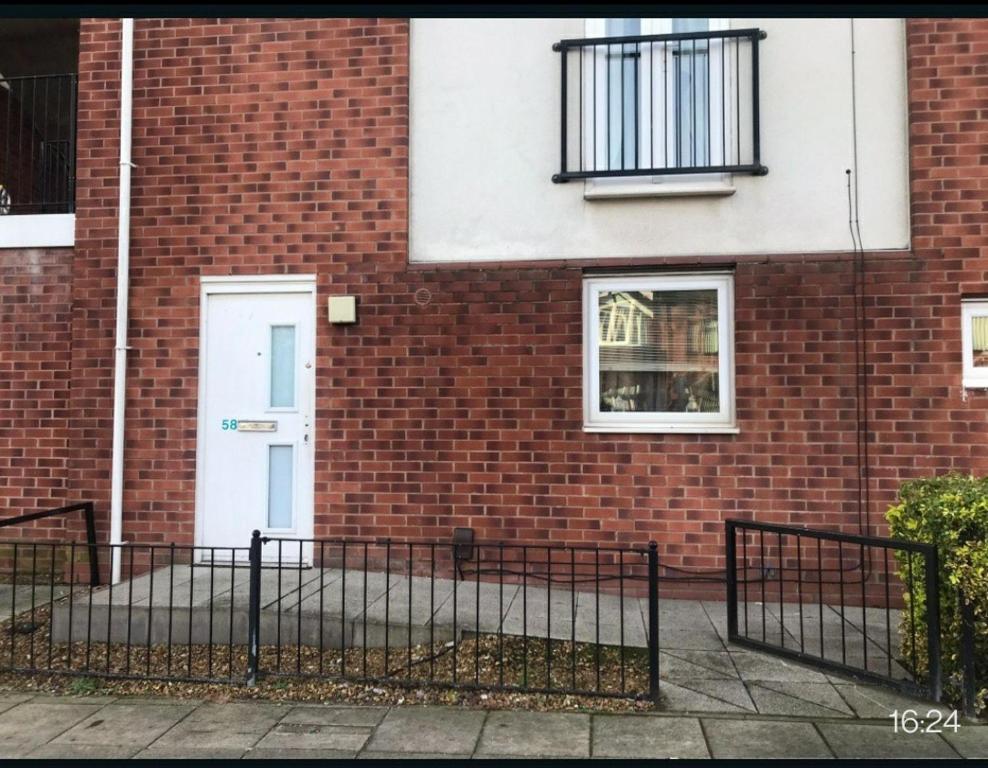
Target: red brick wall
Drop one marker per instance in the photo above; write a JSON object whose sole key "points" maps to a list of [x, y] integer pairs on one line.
{"points": [[281, 146], [35, 336]]}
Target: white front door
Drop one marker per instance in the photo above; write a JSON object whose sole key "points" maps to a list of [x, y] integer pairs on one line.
{"points": [[255, 441]]}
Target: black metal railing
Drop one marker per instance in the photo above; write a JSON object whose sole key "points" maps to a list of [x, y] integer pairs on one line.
{"points": [[37, 144], [654, 105], [835, 601], [498, 617], [89, 514], [179, 612]]}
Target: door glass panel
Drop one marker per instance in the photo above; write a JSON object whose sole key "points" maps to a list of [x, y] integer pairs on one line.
{"points": [[282, 366], [280, 486]]}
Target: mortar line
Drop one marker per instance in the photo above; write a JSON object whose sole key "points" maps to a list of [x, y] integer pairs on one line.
{"points": [[744, 683], [706, 739], [194, 708], [767, 685], [816, 727], [373, 733], [593, 730], [480, 732]]}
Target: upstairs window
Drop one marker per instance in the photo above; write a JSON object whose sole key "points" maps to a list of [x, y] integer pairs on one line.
{"points": [[659, 353], [659, 97]]}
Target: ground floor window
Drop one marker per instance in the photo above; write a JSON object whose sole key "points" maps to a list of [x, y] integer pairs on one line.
{"points": [[658, 353], [974, 338]]}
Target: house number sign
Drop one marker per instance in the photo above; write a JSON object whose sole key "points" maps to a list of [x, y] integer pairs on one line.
{"points": [[239, 425]]}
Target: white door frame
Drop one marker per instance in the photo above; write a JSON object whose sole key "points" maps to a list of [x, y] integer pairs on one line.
{"points": [[251, 284]]}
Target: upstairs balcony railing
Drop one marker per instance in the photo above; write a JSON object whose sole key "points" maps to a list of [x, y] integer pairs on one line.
{"points": [[656, 105], [37, 144]]}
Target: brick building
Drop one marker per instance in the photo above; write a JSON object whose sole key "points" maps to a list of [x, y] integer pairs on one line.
{"points": [[277, 159]]}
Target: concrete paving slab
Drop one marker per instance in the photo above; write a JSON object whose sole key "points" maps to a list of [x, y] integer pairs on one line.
{"points": [[970, 741], [798, 699], [610, 611], [155, 752], [360, 587], [37, 722], [412, 756], [860, 740], [707, 696], [299, 754], [232, 725], [83, 752], [493, 756], [647, 737], [120, 724], [536, 733], [761, 739], [8, 700], [491, 605], [100, 699], [12, 753], [683, 614], [428, 729], [308, 736], [689, 639], [762, 666], [336, 715], [686, 666], [872, 701]]}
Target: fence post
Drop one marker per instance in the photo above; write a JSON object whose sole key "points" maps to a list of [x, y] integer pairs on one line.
{"points": [[653, 622], [254, 608], [732, 579], [89, 513], [967, 655], [932, 583]]}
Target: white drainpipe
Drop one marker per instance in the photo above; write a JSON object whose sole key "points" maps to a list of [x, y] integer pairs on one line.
{"points": [[123, 286]]}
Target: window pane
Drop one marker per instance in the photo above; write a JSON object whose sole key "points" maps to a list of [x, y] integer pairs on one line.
{"points": [[692, 94], [622, 27], [282, 366], [280, 486], [979, 341], [659, 351], [622, 96], [690, 25]]}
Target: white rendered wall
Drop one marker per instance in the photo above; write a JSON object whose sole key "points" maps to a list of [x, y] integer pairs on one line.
{"points": [[48, 230], [485, 143]]}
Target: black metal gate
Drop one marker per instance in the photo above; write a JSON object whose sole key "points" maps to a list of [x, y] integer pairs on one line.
{"points": [[837, 601]]}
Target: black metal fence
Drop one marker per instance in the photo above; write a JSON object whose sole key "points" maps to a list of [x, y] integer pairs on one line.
{"points": [[179, 612], [835, 601], [653, 105], [89, 515], [37, 144], [493, 617]]}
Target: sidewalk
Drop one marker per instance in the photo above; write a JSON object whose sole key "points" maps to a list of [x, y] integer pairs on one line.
{"points": [[106, 727]]}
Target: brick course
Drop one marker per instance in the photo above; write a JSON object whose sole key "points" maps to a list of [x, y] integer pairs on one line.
{"points": [[267, 146]]}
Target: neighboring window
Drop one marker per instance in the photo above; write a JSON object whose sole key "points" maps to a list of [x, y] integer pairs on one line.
{"points": [[974, 339], [658, 353], [658, 105]]}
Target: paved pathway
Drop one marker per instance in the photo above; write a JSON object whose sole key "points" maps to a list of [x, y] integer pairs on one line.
{"points": [[106, 727]]}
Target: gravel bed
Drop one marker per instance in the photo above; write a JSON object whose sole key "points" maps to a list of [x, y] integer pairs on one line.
{"points": [[302, 673]]}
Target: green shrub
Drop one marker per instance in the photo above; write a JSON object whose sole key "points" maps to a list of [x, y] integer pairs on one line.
{"points": [[951, 512]]}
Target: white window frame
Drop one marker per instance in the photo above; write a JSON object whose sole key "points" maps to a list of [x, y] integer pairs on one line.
{"points": [[973, 378], [595, 420], [711, 183]]}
